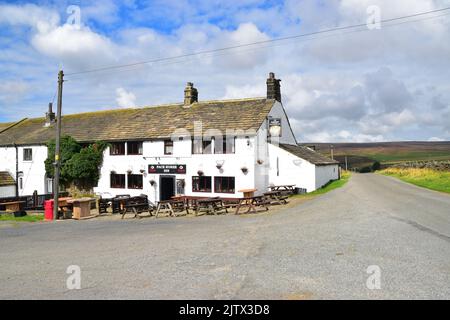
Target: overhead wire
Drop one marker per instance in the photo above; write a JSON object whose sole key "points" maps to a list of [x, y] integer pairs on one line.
{"points": [[254, 43], [242, 49]]}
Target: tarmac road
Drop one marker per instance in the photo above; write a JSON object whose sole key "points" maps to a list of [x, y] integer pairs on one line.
{"points": [[320, 249]]}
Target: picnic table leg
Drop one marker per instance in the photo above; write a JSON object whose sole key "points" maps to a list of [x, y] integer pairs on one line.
{"points": [[171, 213], [158, 208], [135, 213], [237, 208]]}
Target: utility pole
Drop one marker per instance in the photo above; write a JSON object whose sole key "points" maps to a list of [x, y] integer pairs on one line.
{"points": [[346, 164], [331, 150], [57, 146]]}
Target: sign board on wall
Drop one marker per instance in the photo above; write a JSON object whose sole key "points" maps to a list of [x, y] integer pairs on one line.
{"points": [[167, 168], [275, 127]]}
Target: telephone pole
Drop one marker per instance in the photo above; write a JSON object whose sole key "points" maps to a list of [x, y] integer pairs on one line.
{"points": [[57, 162]]}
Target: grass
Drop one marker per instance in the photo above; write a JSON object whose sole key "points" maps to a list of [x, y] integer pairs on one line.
{"points": [[426, 178], [28, 218], [345, 176]]}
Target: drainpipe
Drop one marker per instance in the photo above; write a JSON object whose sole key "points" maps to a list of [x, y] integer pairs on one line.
{"points": [[17, 170]]}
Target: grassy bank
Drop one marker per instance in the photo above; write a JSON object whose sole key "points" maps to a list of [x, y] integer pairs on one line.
{"points": [[29, 218], [427, 178], [330, 186]]}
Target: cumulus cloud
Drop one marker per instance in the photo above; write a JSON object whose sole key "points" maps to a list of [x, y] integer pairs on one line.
{"points": [[365, 86], [75, 47], [125, 99]]}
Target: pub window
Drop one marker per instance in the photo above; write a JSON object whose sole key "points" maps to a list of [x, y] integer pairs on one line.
{"points": [[117, 149], [27, 154], [134, 148], [135, 181], [180, 186], [206, 146], [224, 184], [200, 146], [117, 181], [196, 146], [168, 147], [201, 184], [226, 146]]}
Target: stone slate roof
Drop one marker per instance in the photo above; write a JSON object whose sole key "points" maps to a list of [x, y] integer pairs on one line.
{"points": [[308, 154], [4, 126], [6, 179], [144, 123]]}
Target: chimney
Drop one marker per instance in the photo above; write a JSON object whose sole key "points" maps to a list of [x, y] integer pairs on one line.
{"points": [[273, 87], [49, 116], [190, 94]]}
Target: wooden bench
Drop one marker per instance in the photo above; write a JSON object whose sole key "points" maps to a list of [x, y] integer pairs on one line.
{"points": [[172, 207], [285, 190], [252, 203], [213, 205], [138, 205], [104, 204], [276, 197]]}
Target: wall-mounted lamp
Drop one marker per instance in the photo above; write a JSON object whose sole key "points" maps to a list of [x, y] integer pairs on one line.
{"points": [[219, 164]]}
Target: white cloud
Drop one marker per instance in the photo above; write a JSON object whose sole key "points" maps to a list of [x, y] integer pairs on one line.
{"points": [[369, 86], [125, 99], [42, 19], [435, 139]]}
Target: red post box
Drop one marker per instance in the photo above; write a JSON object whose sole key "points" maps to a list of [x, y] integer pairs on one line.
{"points": [[48, 209]]}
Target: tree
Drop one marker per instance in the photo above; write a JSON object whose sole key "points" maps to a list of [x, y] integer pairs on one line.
{"points": [[376, 166], [83, 169], [79, 165], [69, 147]]}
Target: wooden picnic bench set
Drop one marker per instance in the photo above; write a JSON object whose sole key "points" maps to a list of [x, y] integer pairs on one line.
{"points": [[184, 205]]}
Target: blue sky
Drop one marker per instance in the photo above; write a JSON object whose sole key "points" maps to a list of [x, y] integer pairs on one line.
{"points": [[373, 85]]}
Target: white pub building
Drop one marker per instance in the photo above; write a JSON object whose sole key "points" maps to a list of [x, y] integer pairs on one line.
{"points": [[196, 148]]}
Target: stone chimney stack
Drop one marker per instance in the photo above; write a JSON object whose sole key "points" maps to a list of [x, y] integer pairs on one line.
{"points": [[273, 87], [49, 116], [190, 94]]}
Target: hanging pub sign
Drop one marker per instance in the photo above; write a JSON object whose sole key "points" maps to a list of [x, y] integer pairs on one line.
{"points": [[274, 127], [167, 168]]}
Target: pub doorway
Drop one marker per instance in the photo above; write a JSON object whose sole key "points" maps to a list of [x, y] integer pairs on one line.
{"points": [[166, 187]]}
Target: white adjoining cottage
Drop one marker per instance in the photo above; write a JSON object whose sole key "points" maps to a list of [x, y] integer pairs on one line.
{"points": [[196, 148]]}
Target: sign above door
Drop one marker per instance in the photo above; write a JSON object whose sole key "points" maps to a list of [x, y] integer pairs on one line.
{"points": [[167, 168]]}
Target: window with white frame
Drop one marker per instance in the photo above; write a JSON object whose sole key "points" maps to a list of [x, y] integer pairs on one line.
{"points": [[27, 154]]}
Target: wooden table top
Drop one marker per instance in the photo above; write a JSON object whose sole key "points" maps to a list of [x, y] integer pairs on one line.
{"points": [[12, 203]]}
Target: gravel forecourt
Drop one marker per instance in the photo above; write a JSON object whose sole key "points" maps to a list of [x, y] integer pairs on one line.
{"points": [[319, 249]]}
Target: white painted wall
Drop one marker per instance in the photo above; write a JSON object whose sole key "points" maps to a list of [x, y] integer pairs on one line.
{"points": [[33, 171], [325, 174], [287, 136], [153, 153], [7, 191], [300, 173]]}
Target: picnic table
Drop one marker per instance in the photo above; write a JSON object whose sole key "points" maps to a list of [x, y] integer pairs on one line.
{"points": [[13, 206], [248, 193], [119, 202], [276, 197], [284, 189], [211, 205], [172, 207], [252, 203], [138, 205]]}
